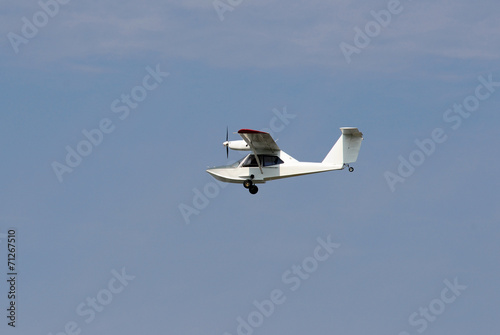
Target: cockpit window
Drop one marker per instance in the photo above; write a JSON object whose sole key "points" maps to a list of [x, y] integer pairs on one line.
{"points": [[250, 161], [266, 160], [270, 160]]}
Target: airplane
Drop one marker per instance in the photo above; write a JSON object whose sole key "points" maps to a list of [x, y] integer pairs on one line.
{"points": [[268, 162]]}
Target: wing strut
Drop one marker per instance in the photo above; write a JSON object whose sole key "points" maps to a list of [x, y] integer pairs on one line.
{"points": [[258, 160]]}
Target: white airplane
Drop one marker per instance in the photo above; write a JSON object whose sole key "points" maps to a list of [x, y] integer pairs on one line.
{"points": [[268, 162]]}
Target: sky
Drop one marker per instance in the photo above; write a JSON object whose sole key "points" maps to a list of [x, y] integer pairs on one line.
{"points": [[113, 110]]}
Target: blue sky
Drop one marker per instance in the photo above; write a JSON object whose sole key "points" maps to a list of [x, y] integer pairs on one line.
{"points": [[106, 250]]}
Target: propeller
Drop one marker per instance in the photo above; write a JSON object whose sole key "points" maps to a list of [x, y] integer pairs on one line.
{"points": [[226, 144]]}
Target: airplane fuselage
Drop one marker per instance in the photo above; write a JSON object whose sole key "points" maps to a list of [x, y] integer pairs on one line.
{"points": [[290, 167]]}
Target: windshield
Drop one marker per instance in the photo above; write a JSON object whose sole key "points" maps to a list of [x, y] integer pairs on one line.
{"points": [[237, 163]]}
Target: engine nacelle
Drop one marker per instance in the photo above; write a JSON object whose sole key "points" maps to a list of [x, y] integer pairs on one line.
{"points": [[237, 145]]}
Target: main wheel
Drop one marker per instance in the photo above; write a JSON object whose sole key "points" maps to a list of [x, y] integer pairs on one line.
{"points": [[254, 189], [351, 169], [247, 183]]}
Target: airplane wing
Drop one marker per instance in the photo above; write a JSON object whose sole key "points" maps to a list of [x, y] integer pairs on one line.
{"points": [[260, 142]]}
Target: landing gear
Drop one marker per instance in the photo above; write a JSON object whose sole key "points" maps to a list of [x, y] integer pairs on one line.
{"points": [[254, 189], [351, 169], [248, 183]]}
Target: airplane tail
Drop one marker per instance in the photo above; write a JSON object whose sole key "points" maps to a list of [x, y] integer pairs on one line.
{"points": [[346, 149]]}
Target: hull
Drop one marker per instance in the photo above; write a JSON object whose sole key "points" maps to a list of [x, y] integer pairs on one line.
{"points": [[240, 174]]}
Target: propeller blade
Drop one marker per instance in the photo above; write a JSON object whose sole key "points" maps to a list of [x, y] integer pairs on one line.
{"points": [[227, 139]]}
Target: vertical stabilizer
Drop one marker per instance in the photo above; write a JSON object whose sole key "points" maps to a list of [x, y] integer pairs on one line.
{"points": [[346, 149]]}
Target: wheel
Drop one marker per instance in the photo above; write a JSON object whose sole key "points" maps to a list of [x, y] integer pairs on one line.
{"points": [[351, 169], [247, 183], [254, 189]]}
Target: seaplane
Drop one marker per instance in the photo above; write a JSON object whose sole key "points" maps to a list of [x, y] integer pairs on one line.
{"points": [[268, 162]]}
